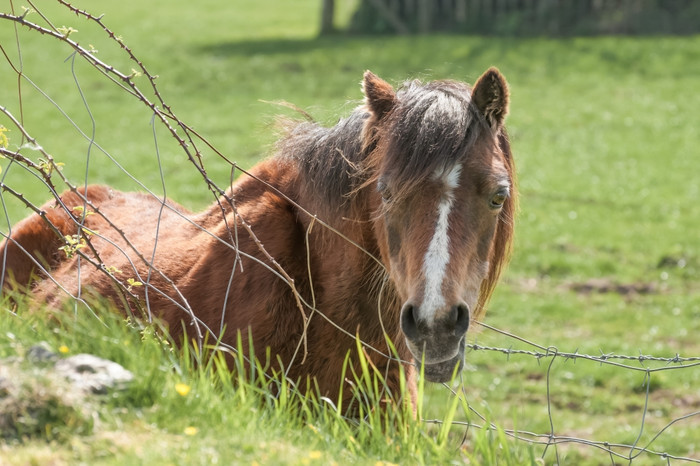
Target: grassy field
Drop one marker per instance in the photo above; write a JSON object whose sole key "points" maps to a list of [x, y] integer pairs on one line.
{"points": [[607, 255]]}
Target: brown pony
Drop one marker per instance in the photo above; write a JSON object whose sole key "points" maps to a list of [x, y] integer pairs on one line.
{"points": [[412, 197]]}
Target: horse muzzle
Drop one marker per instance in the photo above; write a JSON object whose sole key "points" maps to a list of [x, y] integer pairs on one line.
{"points": [[443, 371], [438, 344]]}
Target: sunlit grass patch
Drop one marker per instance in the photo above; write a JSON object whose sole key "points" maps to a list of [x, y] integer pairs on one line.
{"points": [[181, 400]]}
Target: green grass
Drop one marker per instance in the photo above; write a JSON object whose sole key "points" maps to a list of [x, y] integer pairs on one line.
{"points": [[220, 416], [605, 133]]}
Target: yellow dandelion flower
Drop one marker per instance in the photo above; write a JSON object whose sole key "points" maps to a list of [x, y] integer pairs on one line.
{"points": [[182, 389], [63, 349], [190, 430], [315, 455]]}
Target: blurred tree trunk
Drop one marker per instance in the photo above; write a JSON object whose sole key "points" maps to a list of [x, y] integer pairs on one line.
{"points": [[327, 13]]}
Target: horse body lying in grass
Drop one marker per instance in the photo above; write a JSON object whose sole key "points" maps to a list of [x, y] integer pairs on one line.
{"points": [[412, 199]]}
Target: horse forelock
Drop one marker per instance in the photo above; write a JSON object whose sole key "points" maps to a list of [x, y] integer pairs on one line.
{"points": [[431, 129]]}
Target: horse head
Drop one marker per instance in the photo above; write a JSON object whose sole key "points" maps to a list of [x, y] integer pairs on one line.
{"points": [[442, 183]]}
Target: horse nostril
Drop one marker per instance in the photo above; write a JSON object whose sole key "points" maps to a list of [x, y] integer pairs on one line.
{"points": [[460, 314], [409, 324]]}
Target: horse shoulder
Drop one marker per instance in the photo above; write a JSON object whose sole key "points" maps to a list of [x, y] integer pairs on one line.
{"points": [[251, 261]]}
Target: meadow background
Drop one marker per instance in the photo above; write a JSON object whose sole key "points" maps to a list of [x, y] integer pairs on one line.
{"points": [[605, 132]]}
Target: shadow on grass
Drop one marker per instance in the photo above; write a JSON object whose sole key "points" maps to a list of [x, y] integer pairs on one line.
{"points": [[278, 46], [477, 45], [390, 55]]}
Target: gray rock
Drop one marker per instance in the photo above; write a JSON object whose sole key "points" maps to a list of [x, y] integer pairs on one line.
{"points": [[92, 374]]}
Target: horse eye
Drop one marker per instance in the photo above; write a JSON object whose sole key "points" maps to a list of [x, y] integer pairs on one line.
{"points": [[499, 199]]}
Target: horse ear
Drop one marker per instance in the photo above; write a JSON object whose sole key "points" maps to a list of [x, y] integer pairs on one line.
{"points": [[490, 95], [379, 95]]}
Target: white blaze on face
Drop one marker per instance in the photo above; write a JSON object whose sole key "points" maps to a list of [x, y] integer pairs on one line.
{"points": [[438, 254]]}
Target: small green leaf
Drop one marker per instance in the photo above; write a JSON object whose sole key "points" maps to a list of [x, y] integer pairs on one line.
{"points": [[4, 140], [66, 31]]}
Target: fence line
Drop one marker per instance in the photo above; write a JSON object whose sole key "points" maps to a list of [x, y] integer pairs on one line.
{"points": [[528, 17], [551, 438], [604, 358], [675, 362]]}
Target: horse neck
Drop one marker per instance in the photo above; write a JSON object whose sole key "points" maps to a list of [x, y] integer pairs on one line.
{"points": [[347, 263], [335, 206], [335, 218]]}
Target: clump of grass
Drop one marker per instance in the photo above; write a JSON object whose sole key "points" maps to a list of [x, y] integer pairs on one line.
{"points": [[375, 425], [492, 446]]}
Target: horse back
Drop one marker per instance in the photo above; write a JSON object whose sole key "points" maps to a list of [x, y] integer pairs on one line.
{"points": [[47, 240], [31, 248]]}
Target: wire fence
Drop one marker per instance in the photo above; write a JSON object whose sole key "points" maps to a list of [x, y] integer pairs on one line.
{"points": [[35, 162], [527, 17], [646, 364]]}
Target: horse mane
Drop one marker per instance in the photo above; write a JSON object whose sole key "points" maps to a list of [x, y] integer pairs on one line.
{"points": [[432, 126], [328, 158]]}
